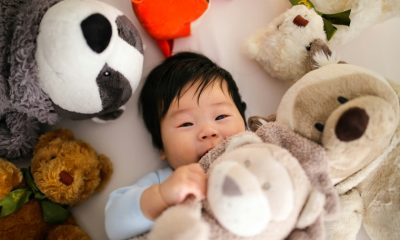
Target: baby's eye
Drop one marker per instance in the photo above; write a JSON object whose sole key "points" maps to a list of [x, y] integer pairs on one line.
{"points": [[220, 117], [186, 124]]}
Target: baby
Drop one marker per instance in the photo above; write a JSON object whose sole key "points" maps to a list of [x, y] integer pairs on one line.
{"points": [[189, 105]]}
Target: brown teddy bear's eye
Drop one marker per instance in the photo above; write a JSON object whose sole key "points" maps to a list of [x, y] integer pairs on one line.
{"points": [[319, 126], [342, 100], [52, 157]]}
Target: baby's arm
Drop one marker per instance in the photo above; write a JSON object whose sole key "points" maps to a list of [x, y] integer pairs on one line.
{"points": [[186, 181], [123, 215]]}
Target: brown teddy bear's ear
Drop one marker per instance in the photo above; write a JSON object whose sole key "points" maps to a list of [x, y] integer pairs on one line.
{"points": [[10, 177], [106, 170], [62, 134]]}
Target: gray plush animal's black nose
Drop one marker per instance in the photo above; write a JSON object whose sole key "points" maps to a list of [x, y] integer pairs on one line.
{"points": [[115, 90], [97, 31], [352, 124]]}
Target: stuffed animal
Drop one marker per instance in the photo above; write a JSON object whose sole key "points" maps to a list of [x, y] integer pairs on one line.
{"points": [[289, 43], [354, 114], [72, 59], [257, 189], [364, 13], [166, 20], [34, 202]]}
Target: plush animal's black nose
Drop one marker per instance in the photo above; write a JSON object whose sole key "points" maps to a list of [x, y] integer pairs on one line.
{"points": [[115, 90], [352, 124], [97, 31]]}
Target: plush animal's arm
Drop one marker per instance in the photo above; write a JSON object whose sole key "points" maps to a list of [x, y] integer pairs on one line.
{"points": [[180, 222]]}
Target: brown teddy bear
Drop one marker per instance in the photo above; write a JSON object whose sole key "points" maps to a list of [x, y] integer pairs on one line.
{"points": [[64, 172], [272, 184]]}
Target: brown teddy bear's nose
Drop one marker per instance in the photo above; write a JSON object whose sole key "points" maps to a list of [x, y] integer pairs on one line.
{"points": [[352, 124], [66, 178]]}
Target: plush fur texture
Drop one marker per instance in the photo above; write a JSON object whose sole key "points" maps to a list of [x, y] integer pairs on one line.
{"points": [[315, 199], [364, 13], [283, 48], [354, 114], [67, 171], [31, 59], [10, 177]]}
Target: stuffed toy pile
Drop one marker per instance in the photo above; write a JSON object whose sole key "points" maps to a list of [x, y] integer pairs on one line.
{"points": [[34, 202], [166, 20], [354, 114], [74, 59], [272, 184]]}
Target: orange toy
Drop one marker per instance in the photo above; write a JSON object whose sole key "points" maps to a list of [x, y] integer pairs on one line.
{"points": [[166, 20]]}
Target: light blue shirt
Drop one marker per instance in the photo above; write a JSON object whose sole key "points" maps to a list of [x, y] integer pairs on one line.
{"points": [[123, 216]]}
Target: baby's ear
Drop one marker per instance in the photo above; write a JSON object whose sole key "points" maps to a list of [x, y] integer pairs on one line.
{"points": [[162, 155]]}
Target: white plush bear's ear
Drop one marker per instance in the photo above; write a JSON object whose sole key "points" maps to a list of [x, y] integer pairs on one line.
{"points": [[242, 139]]}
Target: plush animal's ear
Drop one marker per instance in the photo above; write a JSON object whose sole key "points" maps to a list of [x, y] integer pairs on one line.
{"points": [[320, 55], [10, 177], [62, 134], [255, 122], [106, 170], [242, 139]]}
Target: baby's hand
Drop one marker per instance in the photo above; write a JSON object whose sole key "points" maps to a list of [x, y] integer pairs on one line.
{"points": [[186, 181]]}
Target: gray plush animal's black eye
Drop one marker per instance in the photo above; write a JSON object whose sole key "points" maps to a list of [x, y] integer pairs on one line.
{"points": [[342, 100], [106, 73], [319, 126]]}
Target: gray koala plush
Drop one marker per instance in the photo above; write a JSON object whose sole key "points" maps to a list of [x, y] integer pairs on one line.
{"points": [[74, 59]]}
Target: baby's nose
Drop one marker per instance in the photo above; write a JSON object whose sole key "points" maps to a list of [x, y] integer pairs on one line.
{"points": [[208, 132]]}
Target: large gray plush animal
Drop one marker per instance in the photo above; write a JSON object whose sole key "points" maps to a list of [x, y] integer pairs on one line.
{"points": [[73, 59]]}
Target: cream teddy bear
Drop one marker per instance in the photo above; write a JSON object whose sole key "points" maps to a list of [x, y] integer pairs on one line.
{"points": [[257, 189], [354, 114], [287, 46]]}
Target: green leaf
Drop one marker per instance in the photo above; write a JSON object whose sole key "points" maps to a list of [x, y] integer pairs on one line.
{"points": [[53, 212], [342, 18], [307, 3], [329, 29], [14, 201], [26, 172]]}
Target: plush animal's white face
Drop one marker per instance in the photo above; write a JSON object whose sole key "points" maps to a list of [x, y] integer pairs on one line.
{"points": [[282, 48], [89, 57], [249, 188], [351, 111]]}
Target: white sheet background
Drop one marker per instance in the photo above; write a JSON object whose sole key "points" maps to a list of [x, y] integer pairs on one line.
{"points": [[219, 34]]}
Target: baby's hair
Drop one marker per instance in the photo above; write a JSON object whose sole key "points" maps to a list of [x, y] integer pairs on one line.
{"points": [[166, 82]]}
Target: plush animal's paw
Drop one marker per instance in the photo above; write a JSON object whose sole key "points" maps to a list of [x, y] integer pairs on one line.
{"points": [[180, 222]]}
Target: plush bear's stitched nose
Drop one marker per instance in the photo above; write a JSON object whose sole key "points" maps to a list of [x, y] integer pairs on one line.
{"points": [[300, 21], [352, 124], [230, 187], [66, 178]]}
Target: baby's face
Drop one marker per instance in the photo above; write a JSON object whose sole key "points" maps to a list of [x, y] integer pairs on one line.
{"points": [[193, 126]]}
